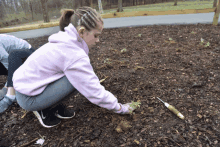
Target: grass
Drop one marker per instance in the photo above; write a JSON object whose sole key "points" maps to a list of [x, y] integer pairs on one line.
{"points": [[27, 18], [167, 6]]}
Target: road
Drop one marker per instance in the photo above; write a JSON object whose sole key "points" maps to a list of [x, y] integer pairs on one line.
{"points": [[202, 18]]}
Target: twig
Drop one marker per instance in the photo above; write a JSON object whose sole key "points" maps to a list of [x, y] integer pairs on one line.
{"points": [[208, 140], [24, 114], [77, 136], [60, 142], [27, 144], [102, 80], [125, 89], [173, 141], [45, 144]]}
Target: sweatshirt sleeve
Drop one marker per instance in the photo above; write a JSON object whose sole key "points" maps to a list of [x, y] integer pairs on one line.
{"points": [[3, 57], [82, 77]]}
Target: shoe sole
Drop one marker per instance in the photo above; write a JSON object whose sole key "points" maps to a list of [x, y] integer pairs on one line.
{"points": [[61, 117], [41, 121]]}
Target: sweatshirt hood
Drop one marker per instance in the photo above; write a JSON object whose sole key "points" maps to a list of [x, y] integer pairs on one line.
{"points": [[70, 38]]}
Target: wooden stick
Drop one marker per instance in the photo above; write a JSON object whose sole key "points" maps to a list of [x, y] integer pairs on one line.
{"points": [[27, 144], [25, 113], [60, 142]]}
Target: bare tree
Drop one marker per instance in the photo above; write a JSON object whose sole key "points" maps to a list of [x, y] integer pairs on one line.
{"points": [[24, 6], [77, 4], [15, 4], [31, 8], [2, 11], [120, 9], [100, 6], [214, 3], [175, 2], [91, 3], [216, 16], [45, 10]]}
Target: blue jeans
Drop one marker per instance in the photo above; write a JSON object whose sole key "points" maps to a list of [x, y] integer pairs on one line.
{"points": [[51, 96], [15, 59]]}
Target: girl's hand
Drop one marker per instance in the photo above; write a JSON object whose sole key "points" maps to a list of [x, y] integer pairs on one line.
{"points": [[125, 109]]}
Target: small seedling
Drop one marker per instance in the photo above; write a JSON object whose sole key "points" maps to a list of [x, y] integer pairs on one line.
{"points": [[202, 41], [108, 61], [193, 32], [170, 39], [114, 50], [135, 105], [139, 35], [208, 44], [123, 50]]}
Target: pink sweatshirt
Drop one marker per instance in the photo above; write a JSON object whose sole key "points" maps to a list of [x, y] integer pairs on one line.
{"points": [[62, 56]]}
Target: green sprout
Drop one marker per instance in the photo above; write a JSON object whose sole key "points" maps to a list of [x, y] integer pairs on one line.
{"points": [[139, 35], [123, 50], [108, 61], [134, 105], [193, 32], [170, 39], [208, 44], [202, 41]]}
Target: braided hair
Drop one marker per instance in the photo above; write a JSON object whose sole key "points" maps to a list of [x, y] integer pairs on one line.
{"points": [[83, 16]]}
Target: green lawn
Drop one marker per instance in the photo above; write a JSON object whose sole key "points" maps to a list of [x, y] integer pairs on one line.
{"points": [[167, 6]]}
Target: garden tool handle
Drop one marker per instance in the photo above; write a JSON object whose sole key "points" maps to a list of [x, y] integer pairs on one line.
{"points": [[174, 110]]}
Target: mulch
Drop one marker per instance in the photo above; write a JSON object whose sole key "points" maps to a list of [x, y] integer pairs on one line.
{"points": [[177, 63]]}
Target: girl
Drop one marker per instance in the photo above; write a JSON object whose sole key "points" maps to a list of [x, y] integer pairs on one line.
{"points": [[15, 59], [9, 43], [62, 67]]}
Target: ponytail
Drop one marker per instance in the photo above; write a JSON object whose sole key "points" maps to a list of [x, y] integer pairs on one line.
{"points": [[83, 16], [65, 18]]}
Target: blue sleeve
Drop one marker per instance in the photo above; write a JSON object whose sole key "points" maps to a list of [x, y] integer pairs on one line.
{"points": [[4, 57]]}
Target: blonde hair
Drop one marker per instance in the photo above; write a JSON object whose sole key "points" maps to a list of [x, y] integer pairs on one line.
{"points": [[83, 16]]}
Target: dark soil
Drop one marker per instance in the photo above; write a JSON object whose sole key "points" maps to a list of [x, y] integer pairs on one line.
{"points": [[140, 64]]}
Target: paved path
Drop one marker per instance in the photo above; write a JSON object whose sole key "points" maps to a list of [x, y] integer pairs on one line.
{"points": [[203, 18]]}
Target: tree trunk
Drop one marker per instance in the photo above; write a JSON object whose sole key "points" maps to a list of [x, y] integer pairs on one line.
{"points": [[2, 11], [216, 16], [31, 8], [120, 9], [175, 2], [214, 3], [100, 6], [45, 11], [23, 6], [15, 6], [91, 3], [77, 4]]}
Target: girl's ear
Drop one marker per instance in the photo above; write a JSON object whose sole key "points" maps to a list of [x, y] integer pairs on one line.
{"points": [[81, 31]]}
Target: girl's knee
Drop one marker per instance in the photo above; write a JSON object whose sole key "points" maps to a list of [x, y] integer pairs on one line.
{"points": [[24, 105], [24, 102]]}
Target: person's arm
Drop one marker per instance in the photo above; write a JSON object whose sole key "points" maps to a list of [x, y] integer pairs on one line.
{"points": [[4, 57], [82, 77]]}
